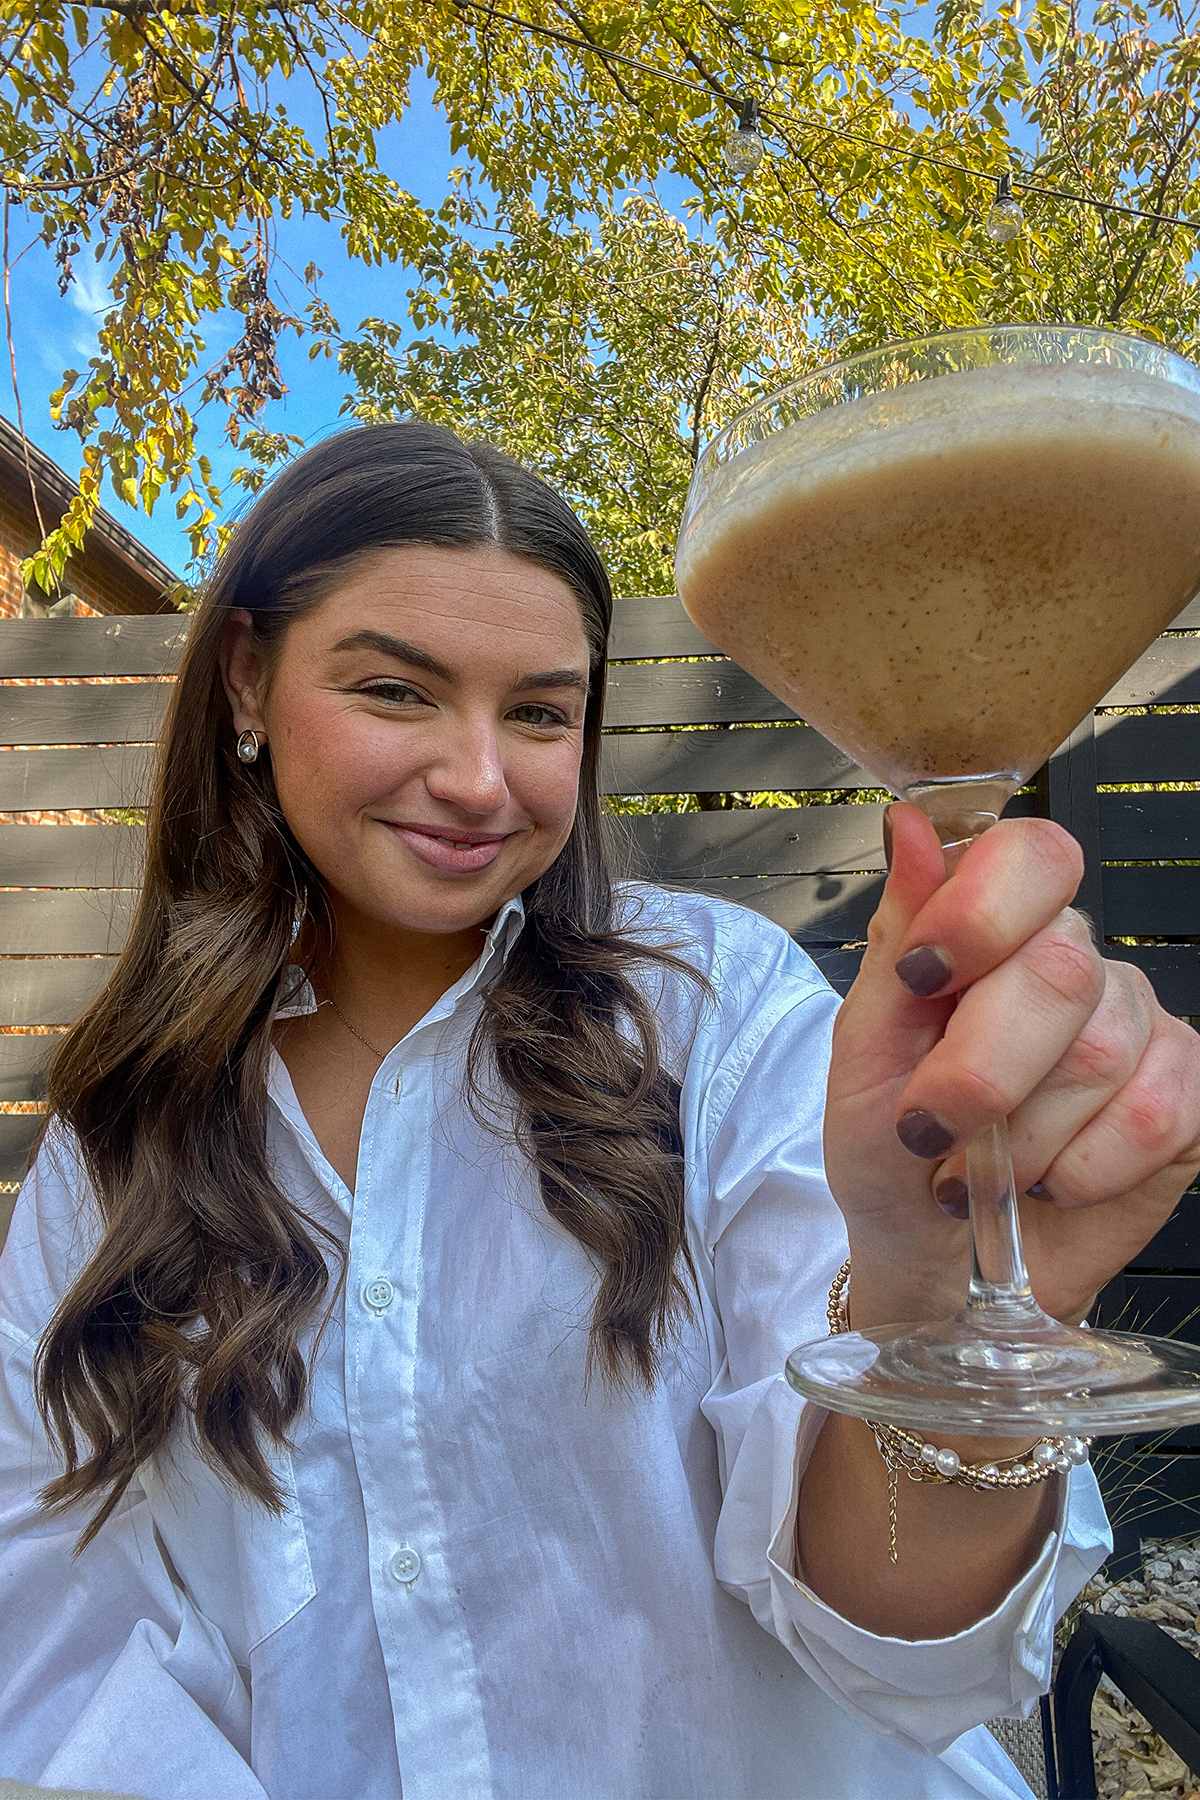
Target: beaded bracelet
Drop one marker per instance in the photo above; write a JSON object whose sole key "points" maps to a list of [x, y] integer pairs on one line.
{"points": [[907, 1454]]}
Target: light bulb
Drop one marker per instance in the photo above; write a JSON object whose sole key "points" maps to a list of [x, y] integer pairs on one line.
{"points": [[1005, 221], [744, 148]]}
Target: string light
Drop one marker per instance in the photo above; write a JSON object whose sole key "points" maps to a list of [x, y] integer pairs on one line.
{"points": [[744, 148], [905, 152], [1005, 221]]}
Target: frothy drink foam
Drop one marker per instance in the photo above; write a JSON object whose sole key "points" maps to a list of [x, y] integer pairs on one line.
{"points": [[945, 578]]}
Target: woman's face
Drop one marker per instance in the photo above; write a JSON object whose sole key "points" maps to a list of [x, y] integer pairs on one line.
{"points": [[425, 725]]}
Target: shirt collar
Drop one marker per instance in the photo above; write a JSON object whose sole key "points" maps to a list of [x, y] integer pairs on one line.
{"points": [[297, 999]]}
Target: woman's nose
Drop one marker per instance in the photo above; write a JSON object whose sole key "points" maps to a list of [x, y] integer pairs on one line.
{"points": [[468, 770]]}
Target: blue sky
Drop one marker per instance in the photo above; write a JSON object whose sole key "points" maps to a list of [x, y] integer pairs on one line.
{"points": [[52, 333]]}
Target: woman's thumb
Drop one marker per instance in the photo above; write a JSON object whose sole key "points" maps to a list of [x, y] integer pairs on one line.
{"points": [[883, 1030], [916, 869]]}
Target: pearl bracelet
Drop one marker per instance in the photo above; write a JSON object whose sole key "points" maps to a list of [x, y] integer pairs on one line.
{"points": [[907, 1454], [921, 1461]]}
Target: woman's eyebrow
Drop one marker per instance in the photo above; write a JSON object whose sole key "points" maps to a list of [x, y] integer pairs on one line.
{"points": [[552, 678], [384, 645], [401, 651]]}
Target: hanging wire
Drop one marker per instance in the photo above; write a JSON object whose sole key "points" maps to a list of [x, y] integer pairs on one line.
{"points": [[789, 118]]}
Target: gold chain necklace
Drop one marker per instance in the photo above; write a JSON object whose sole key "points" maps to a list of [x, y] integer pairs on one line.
{"points": [[330, 1001]]}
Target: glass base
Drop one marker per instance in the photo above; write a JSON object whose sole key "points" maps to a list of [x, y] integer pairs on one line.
{"points": [[1032, 1379]]}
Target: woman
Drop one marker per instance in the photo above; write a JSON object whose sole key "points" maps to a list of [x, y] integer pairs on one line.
{"points": [[406, 1274]]}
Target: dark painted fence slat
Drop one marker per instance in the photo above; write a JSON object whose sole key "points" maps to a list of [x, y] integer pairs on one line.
{"points": [[1177, 1245], [1187, 1438], [80, 713], [23, 1059], [84, 776], [1149, 827], [689, 694], [65, 922], [760, 841], [50, 990], [1066, 791], [643, 626], [1189, 618], [755, 841], [1168, 675], [1159, 1493], [1147, 747], [725, 761], [654, 625], [1174, 970], [1164, 1305], [54, 648], [1142, 902], [71, 856]]}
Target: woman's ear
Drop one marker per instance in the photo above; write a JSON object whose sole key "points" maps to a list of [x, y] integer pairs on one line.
{"points": [[242, 671]]}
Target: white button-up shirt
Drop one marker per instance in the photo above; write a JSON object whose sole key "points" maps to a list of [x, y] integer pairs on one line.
{"points": [[492, 1583]]}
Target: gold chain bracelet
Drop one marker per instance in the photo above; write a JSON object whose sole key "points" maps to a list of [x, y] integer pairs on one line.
{"points": [[905, 1453]]}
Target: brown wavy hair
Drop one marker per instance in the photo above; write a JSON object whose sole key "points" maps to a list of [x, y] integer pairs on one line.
{"points": [[205, 1274]]}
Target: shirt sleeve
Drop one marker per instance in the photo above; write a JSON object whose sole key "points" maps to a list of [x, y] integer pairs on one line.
{"points": [[772, 1240], [110, 1678]]}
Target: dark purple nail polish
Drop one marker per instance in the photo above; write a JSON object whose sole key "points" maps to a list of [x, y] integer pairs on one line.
{"points": [[887, 837], [951, 1196], [924, 970], [924, 1134], [1039, 1191]]}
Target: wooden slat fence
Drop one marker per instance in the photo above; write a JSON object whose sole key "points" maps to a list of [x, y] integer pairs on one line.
{"points": [[680, 720]]}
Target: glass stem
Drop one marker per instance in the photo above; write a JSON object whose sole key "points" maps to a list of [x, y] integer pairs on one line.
{"points": [[1000, 1294]]}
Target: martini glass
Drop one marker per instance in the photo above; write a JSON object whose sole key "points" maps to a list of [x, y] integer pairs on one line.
{"points": [[943, 554]]}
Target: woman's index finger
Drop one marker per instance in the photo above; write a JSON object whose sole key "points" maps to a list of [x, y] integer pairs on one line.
{"points": [[1007, 887]]}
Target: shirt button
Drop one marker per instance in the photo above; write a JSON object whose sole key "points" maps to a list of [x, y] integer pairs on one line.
{"points": [[378, 1294], [406, 1564], [398, 1084]]}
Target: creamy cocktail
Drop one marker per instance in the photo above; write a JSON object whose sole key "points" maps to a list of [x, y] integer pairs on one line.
{"points": [[943, 554], [946, 577]]}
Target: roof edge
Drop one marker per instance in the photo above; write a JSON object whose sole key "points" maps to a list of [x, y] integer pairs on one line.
{"points": [[115, 538]]}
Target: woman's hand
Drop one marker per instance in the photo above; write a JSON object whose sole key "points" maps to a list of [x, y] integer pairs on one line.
{"points": [[1028, 1020], [1015, 1013]]}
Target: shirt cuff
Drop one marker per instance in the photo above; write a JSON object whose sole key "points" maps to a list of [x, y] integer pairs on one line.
{"points": [[164, 1721], [926, 1693]]}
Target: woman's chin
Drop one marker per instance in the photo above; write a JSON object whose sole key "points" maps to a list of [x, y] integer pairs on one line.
{"points": [[437, 908]]}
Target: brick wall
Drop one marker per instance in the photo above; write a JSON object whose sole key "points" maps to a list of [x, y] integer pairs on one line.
{"points": [[15, 542], [102, 581]]}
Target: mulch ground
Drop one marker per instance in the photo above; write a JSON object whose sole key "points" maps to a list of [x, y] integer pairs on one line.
{"points": [[1132, 1760]]}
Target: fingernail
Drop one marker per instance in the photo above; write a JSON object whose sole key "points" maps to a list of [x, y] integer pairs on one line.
{"points": [[924, 1134], [951, 1196], [924, 970], [887, 837], [1039, 1191]]}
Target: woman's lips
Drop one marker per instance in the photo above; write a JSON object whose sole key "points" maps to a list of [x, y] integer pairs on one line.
{"points": [[455, 856]]}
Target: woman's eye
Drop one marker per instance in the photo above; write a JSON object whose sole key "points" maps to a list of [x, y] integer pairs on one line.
{"points": [[537, 715], [393, 693]]}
